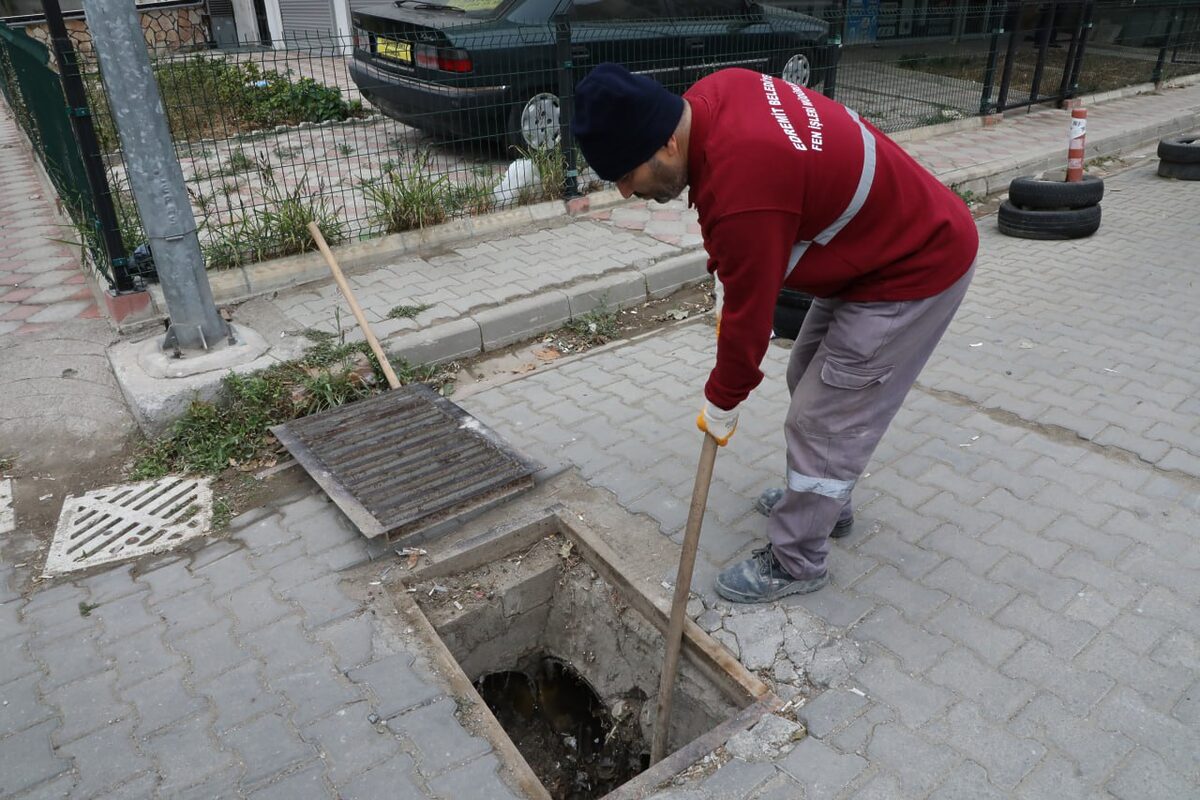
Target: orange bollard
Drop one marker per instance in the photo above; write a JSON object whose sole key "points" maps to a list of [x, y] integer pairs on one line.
{"points": [[1075, 148]]}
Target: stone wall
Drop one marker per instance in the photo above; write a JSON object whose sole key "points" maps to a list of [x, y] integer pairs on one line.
{"points": [[166, 29]]}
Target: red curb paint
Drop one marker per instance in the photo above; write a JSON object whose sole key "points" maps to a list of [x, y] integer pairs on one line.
{"points": [[122, 306]]}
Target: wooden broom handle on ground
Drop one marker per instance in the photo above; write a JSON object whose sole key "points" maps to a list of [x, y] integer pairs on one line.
{"points": [[384, 364], [683, 588]]}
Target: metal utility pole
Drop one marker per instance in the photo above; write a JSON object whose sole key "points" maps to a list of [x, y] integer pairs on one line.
{"points": [[155, 175]]}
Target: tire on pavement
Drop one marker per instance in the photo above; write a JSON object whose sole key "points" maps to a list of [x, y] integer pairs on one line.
{"points": [[1069, 224], [1180, 172], [1036, 194], [791, 307], [1180, 149]]}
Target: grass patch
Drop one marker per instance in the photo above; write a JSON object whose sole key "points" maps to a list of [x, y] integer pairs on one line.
{"points": [[212, 97], [222, 514], [966, 195], [407, 312], [278, 229], [595, 328], [86, 609], [551, 169], [232, 431], [408, 196]]}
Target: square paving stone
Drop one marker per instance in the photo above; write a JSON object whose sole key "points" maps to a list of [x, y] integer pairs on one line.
{"points": [[87, 705], [105, 758], [350, 744], [268, 746], [439, 736], [28, 759]]}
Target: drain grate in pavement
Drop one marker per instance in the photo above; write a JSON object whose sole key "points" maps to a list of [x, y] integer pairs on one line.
{"points": [[133, 519], [406, 462], [7, 520]]}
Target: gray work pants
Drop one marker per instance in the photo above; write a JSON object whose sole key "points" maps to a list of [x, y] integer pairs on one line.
{"points": [[850, 369]]}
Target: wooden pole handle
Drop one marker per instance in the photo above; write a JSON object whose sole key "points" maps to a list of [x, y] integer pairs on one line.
{"points": [[384, 364], [683, 587]]}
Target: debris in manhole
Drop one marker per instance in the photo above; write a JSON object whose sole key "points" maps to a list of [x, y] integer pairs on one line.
{"points": [[578, 748]]}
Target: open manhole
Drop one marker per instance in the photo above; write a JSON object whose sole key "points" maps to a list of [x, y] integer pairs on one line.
{"points": [[566, 653]]}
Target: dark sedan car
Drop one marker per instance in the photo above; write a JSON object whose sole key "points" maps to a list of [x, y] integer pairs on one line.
{"points": [[471, 69]]}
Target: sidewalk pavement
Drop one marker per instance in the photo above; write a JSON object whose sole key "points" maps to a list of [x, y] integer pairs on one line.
{"points": [[60, 402], [486, 294], [40, 279], [1013, 616]]}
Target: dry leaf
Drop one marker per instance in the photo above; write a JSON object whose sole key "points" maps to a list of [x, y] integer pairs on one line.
{"points": [[413, 558], [529, 367], [547, 353]]}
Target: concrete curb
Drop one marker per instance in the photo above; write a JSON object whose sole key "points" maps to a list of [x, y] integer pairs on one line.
{"points": [[994, 177], [528, 317]]}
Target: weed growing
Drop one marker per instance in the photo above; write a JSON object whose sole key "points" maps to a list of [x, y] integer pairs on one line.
{"points": [[595, 328], [407, 312], [409, 196], [233, 430], [551, 169], [278, 229]]}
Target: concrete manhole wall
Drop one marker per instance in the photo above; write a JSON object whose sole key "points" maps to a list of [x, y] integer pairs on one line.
{"points": [[550, 589], [547, 601]]}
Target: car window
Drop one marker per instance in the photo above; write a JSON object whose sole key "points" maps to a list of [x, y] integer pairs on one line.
{"points": [[599, 10]]}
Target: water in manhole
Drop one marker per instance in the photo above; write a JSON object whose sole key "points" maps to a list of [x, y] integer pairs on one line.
{"points": [[569, 665], [579, 748]]}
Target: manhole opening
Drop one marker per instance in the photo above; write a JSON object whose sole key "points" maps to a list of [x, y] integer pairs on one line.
{"points": [[578, 747], [568, 662]]}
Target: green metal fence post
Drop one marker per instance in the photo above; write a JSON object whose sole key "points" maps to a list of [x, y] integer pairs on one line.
{"points": [[89, 147], [989, 70], [1172, 27], [566, 104]]}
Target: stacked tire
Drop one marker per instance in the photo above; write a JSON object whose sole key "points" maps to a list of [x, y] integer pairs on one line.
{"points": [[1179, 157], [1052, 209], [791, 307]]}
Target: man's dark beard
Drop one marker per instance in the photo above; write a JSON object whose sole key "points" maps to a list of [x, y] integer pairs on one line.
{"points": [[668, 186]]}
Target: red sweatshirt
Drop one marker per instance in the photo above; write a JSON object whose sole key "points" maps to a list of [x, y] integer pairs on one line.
{"points": [[793, 189]]}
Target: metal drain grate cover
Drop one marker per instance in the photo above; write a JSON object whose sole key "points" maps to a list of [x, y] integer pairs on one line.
{"points": [[406, 462], [130, 520]]}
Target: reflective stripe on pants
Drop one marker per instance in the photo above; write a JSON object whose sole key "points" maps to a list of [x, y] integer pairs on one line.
{"points": [[849, 371]]}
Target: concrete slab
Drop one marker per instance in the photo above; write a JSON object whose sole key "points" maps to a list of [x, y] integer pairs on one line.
{"points": [[159, 393]]}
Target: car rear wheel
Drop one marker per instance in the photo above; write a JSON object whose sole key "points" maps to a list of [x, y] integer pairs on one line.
{"points": [[534, 125], [797, 70]]}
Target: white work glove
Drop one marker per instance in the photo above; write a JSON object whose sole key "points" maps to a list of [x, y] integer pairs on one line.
{"points": [[717, 422]]}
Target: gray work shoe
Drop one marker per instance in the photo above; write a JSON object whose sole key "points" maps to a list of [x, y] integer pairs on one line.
{"points": [[767, 500], [761, 579]]}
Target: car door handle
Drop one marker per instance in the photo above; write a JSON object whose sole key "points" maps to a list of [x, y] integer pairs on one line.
{"points": [[580, 54]]}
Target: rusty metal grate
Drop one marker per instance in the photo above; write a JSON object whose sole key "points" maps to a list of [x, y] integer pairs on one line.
{"points": [[406, 462]]}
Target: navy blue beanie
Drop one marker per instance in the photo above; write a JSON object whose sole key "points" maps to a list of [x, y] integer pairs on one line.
{"points": [[622, 119]]}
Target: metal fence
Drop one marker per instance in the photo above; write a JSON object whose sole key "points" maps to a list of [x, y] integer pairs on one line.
{"points": [[33, 91], [402, 125]]}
